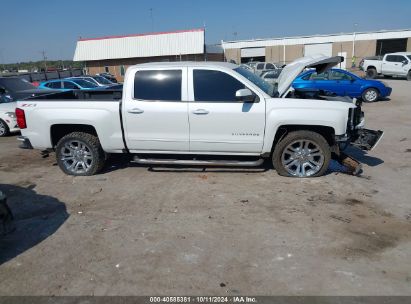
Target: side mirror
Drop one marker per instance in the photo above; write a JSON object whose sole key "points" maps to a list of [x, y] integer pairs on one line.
{"points": [[244, 95], [404, 62]]}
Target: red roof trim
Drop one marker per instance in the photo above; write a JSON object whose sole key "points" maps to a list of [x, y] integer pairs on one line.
{"points": [[138, 35]]}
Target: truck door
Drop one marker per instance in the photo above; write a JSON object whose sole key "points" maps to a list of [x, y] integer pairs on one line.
{"points": [[218, 122], [155, 110], [392, 65]]}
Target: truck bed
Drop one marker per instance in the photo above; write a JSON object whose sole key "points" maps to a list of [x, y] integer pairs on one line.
{"points": [[83, 95]]}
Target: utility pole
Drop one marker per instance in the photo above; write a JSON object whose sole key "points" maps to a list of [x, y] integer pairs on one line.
{"points": [[353, 44], [43, 53]]}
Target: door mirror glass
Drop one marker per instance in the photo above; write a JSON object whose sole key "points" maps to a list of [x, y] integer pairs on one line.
{"points": [[404, 62], [244, 95]]}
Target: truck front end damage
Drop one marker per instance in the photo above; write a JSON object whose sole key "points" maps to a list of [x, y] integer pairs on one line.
{"points": [[356, 136]]}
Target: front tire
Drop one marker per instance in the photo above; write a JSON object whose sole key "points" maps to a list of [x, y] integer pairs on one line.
{"points": [[80, 154], [370, 95], [4, 129], [409, 76], [371, 73], [302, 154]]}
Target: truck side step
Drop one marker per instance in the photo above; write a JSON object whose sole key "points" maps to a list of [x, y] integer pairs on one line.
{"points": [[194, 162]]}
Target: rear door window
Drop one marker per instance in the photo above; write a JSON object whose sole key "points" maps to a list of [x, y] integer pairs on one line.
{"points": [[215, 86], [269, 66], [158, 85], [70, 85], [337, 75], [260, 66], [54, 85], [315, 76]]}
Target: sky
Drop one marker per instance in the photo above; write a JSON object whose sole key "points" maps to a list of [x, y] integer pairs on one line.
{"points": [[29, 27]]}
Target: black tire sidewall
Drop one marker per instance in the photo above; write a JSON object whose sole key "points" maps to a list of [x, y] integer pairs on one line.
{"points": [[6, 127], [409, 76], [92, 143], [371, 73], [296, 135], [367, 90]]}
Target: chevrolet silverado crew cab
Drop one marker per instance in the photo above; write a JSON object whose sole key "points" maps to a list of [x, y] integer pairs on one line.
{"points": [[197, 113], [394, 64]]}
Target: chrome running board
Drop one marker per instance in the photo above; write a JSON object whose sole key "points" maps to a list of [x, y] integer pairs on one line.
{"points": [[193, 162]]}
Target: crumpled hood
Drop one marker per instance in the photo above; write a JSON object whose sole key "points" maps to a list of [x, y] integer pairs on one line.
{"points": [[320, 62]]}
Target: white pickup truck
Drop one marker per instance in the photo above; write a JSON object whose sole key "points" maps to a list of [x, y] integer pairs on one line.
{"points": [[197, 113], [394, 64]]}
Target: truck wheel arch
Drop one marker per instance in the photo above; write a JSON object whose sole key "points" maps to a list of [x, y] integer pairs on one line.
{"points": [[327, 132], [58, 131]]}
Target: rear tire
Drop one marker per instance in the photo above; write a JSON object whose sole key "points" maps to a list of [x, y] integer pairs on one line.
{"points": [[302, 154], [4, 129], [80, 154], [370, 95], [371, 73]]}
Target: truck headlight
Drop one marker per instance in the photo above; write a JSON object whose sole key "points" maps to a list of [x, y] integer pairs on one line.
{"points": [[11, 114]]}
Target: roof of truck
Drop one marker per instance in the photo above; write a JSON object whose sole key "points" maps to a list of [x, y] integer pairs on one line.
{"points": [[401, 53], [188, 64]]}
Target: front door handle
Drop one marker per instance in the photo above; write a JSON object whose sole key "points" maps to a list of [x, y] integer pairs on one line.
{"points": [[201, 112], [135, 111]]}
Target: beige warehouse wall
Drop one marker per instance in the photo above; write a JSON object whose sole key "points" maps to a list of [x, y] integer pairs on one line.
{"points": [[274, 54], [233, 54], [409, 45], [293, 52], [363, 48]]}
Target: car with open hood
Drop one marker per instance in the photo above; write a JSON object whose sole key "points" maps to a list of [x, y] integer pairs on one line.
{"points": [[198, 113]]}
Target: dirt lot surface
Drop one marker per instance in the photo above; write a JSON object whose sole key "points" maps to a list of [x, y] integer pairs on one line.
{"points": [[181, 231]]}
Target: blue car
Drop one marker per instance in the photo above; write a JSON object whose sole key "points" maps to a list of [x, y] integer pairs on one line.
{"points": [[68, 84], [343, 83]]}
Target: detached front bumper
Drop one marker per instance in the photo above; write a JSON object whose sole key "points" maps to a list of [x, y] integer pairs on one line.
{"points": [[25, 142], [367, 139]]}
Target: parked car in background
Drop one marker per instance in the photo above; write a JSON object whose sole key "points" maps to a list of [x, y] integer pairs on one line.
{"points": [[98, 80], [68, 84], [108, 76], [343, 83], [393, 64], [233, 113], [262, 67], [8, 121], [271, 76], [13, 88], [361, 64]]}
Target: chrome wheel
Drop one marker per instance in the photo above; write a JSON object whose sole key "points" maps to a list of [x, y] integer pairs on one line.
{"points": [[302, 158], [371, 95], [76, 156], [3, 128]]}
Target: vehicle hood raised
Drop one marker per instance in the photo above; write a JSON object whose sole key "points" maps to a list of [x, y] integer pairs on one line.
{"points": [[319, 62]]}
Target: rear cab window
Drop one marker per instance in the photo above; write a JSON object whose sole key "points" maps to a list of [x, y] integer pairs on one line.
{"points": [[158, 85]]}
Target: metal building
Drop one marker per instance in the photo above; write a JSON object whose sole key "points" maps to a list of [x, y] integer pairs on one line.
{"points": [[114, 54], [349, 45]]}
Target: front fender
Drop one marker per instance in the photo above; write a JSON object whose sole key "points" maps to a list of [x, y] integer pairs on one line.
{"points": [[305, 112]]}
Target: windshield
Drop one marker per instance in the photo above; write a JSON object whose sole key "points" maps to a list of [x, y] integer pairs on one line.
{"points": [[102, 80], [259, 82], [409, 57], [85, 83], [16, 84]]}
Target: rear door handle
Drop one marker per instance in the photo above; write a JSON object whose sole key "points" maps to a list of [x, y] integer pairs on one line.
{"points": [[135, 111], [201, 112]]}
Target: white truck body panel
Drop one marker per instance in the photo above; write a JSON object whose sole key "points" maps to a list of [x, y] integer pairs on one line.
{"points": [[232, 128], [391, 68]]}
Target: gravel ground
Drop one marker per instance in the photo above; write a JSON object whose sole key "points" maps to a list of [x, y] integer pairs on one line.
{"points": [[133, 230]]}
